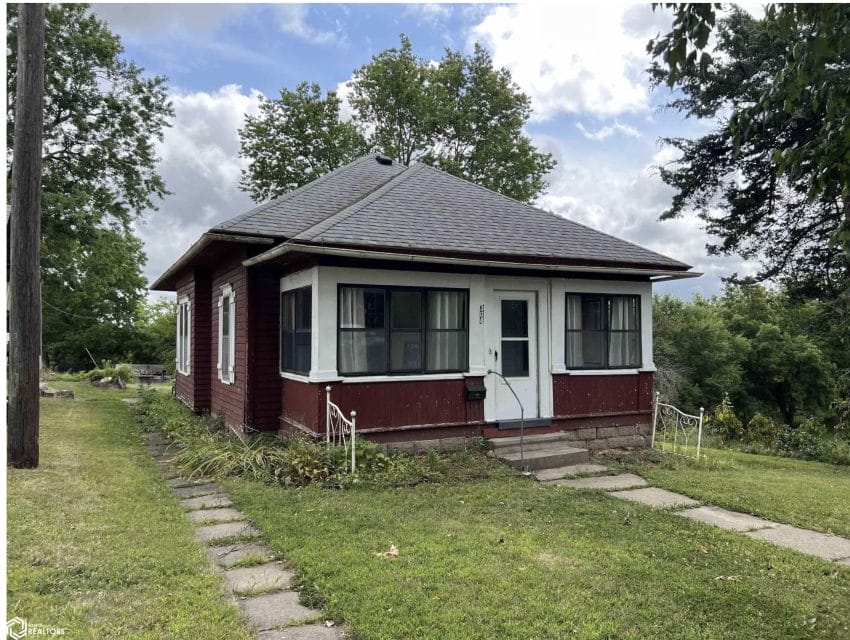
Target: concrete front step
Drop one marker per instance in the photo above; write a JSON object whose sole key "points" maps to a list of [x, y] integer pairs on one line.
{"points": [[557, 455], [536, 442], [571, 471]]}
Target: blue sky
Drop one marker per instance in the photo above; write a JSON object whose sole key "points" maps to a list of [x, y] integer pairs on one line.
{"points": [[582, 66]]}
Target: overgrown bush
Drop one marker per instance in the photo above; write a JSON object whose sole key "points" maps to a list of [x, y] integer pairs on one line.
{"points": [[723, 422], [209, 448], [803, 441], [762, 430]]}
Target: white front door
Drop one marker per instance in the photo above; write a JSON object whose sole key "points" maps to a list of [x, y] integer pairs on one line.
{"points": [[513, 353]]}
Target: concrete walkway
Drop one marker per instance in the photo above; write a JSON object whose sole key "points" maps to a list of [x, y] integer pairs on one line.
{"points": [[253, 575], [628, 486]]}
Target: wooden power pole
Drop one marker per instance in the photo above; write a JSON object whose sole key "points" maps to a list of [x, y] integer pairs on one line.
{"points": [[24, 239]]}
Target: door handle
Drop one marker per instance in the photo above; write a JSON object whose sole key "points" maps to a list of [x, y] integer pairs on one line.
{"points": [[496, 355]]}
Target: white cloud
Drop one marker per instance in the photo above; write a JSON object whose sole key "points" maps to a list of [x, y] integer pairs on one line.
{"points": [[201, 167], [627, 204], [292, 19], [430, 13], [574, 58], [153, 19], [608, 131]]}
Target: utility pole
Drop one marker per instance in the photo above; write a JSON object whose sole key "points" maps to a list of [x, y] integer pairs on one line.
{"points": [[24, 242]]}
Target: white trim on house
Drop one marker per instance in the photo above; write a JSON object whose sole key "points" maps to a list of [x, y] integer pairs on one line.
{"points": [[184, 352], [227, 377]]}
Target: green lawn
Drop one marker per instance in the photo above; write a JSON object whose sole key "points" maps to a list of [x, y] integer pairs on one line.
{"points": [[813, 495], [509, 558], [96, 541]]}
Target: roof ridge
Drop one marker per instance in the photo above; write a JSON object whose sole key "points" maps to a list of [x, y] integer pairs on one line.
{"points": [[551, 213], [343, 214], [291, 194]]}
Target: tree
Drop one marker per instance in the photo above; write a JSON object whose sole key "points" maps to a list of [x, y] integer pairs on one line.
{"points": [[460, 114], [101, 120], [25, 311], [294, 139], [154, 334], [773, 178]]}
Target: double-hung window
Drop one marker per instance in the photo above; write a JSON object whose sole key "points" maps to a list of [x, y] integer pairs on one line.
{"points": [[602, 331], [402, 330], [226, 334], [183, 336], [296, 315]]}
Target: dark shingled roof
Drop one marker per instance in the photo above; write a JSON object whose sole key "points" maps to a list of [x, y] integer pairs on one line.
{"points": [[372, 204]]}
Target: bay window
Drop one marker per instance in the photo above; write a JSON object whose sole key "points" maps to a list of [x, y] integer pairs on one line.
{"points": [[602, 331], [296, 318], [402, 330]]}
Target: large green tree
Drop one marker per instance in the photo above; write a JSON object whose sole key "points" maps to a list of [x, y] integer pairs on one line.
{"points": [[772, 179], [102, 118], [459, 114], [294, 139]]}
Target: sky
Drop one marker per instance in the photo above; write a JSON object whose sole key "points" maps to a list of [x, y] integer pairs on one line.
{"points": [[583, 67]]}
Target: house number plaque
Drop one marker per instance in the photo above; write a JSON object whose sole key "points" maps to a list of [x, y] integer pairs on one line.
{"points": [[481, 314]]}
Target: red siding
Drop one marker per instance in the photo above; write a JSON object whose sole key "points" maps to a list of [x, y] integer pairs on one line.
{"points": [[194, 389], [264, 381], [228, 400], [383, 406], [577, 396]]}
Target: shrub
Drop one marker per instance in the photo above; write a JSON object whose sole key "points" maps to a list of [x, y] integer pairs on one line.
{"points": [[211, 449], [803, 441], [761, 430], [723, 422]]}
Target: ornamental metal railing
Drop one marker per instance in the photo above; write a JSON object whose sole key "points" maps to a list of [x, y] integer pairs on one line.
{"points": [[339, 430], [674, 431]]}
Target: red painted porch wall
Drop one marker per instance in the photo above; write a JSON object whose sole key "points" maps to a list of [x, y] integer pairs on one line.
{"points": [[264, 381], [578, 396], [384, 406], [228, 400]]}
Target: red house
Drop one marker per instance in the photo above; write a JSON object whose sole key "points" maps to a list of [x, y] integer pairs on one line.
{"points": [[401, 288]]}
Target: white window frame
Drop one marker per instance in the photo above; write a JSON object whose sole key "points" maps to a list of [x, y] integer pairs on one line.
{"points": [[227, 377], [184, 323]]}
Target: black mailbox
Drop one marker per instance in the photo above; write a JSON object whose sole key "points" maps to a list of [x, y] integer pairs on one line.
{"points": [[475, 391]]}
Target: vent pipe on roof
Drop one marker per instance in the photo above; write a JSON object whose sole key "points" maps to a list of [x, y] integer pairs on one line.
{"points": [[383, 160]]}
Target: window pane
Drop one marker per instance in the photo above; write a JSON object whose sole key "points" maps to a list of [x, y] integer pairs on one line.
{"points": [[405, 350], [624, 349], [406, 309], [573, 311], [287, 361], [303, 311], [623, 313], [447, 309], [225, 357], [302, 352], [514, 358], [286, 311], [575, 357], [225, 316], [593, 348], [514, 318], [446, 351], [362, 351], [592, 317]]}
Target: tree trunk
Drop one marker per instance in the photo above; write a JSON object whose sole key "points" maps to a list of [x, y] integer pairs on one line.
{"points": [[24, 238]]}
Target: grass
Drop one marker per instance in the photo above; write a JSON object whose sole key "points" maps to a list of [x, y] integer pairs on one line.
{"points": [[806, 494], [509, 558], [96, 541]]}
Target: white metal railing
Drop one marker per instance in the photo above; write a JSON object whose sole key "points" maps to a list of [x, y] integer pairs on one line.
{"points": [[339, 430], [684, 427]]}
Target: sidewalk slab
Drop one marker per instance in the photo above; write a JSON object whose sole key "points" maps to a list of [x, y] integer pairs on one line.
{"points": [[185, 482], [605, 483], [213, 532], [225, 514], [571, 470], [725, 519], [228, 555], [655, 497], [812, 543], [197, 490], [207, 502], [274, 609], [262, 577], [304, 632]]}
